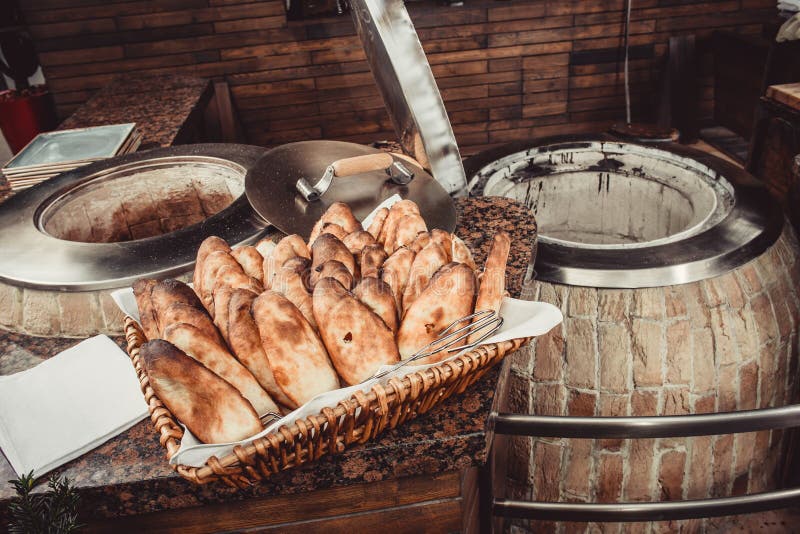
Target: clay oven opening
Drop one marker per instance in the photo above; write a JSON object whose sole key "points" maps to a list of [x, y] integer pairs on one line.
{"points": [[142, 201], [603, 195]]}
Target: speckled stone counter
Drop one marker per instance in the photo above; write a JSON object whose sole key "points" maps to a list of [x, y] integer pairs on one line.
{"points": [[164, 107], [130, 475]]}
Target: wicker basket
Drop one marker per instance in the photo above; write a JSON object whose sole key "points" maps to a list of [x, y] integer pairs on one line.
{"points": [[332, 430]]}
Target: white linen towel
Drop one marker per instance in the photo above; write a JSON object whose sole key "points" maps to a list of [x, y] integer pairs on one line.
{"points": [[68, 405]]}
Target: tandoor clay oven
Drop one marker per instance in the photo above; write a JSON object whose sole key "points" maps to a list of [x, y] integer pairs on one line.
{"points": [[678, 282], [69, 242]]}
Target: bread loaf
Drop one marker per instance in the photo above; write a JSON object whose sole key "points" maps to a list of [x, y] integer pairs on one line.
{"points": [[245, 343], [287, 248], [251, 261], [449, 296], [493, 282], [429, 260], [396, 270], [204, 349], [296, 355], [358, 341], [209, 245], [371, 260], [337, 213], [211, 408], [377, 222], [142, 291], [377, 295]]}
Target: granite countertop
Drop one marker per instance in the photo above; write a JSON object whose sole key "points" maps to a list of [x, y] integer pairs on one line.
{"points": [[159, 105], [130, 475]]}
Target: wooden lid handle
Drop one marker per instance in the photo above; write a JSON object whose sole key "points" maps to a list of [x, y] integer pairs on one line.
{"points": [[362, 164]]}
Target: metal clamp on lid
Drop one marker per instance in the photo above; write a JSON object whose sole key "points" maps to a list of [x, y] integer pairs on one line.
{"points": [[398, 173]]}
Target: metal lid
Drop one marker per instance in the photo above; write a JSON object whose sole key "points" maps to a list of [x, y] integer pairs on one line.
{"points": [[409, 90], [274, 193]]}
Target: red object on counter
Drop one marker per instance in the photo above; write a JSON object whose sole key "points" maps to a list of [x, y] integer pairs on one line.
{"points": [[24, 114]]}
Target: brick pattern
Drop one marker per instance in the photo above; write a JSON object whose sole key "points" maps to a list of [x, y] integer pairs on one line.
{"points": [[49, 313], [507, 70], [723, 344], [143, 205]]}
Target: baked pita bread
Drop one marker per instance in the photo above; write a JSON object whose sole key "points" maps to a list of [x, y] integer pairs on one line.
{"points": [[377, 222], [461, 253], [356, 241], [296, 355], [445, 239], [371, 260], [377, 295], [493, 282], [167, 292], [337, 213], [209, 245], [205, 350], [450, 295], [214, 262], [408, 227], [142, 291], [389, 228], [222, 297], [358, 341], [332, 269], [180, 312], [211, 408], [251, 261], [245, 343], [326, 248], [287, 248], [420, 241], [333, 229], [429, 260], [395, 272], [291, 285]]}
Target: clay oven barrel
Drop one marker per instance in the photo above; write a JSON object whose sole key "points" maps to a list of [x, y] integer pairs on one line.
{"points": [[678, 282]]}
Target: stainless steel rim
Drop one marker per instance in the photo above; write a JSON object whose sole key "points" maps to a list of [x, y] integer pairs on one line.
{"points": [[32, 258], [753, 225]]}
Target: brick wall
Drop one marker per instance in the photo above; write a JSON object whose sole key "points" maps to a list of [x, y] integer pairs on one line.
{"points": [[724, 344], [507, 70]]}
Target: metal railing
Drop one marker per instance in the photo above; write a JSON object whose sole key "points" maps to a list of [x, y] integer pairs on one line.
{"points": [[638, 428]]}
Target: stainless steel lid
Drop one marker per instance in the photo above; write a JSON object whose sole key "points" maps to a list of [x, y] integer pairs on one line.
{"points": [[408, 88], [272, 187]]}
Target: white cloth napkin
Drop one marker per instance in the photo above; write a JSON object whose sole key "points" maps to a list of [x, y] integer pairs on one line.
{"points": [[521, 318], [68, 405]]}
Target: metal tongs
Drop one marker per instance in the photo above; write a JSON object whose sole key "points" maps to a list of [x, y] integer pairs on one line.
{"points": [[486, 321]]}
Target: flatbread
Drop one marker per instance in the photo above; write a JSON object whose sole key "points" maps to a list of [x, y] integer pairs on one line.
{"points": [[211, 408], [251, 260], [493, 282], [245, 343], [142, 291], [358, 341], [296, 355], [205, 350], [449, 296]]}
